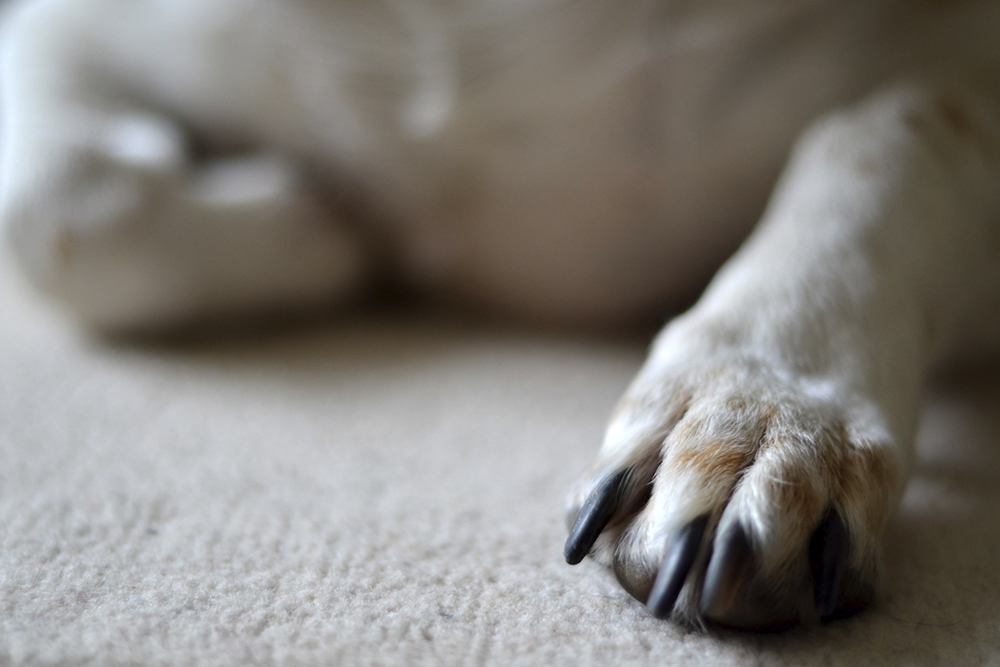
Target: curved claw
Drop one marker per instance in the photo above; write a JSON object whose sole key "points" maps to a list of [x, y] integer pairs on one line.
{"points": [[729, 568], [594, 516], [681, 552], [829, 550]]}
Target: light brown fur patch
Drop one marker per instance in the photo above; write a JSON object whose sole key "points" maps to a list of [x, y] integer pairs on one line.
{"points": [[868, 478]]}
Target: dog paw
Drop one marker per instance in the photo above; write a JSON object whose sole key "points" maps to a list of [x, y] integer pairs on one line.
{"points": [[735, 488]]}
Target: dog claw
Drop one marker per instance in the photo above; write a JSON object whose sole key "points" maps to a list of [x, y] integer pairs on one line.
{"points": [[681, 552], [728, 570], [829, 549], [593, 517]]}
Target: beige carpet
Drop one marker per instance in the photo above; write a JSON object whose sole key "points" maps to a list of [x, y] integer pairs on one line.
{"points": [[389, 491]]}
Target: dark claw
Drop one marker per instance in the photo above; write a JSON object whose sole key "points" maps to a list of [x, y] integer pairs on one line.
{"points": [[828, 550], [593, 517], [728, 570], [681, 551]]}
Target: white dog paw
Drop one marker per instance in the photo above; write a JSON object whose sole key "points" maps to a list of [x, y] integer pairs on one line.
{"points": [[735, 489]]}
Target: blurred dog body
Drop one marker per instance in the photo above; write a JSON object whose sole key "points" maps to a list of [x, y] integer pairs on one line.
{"points": [[587, 163], [590, 162]]}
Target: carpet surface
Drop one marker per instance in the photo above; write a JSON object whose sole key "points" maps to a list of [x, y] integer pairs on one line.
{"points": [[388, 491]]}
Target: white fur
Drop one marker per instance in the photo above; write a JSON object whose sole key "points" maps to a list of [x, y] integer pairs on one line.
{"points": [[590, 161]]}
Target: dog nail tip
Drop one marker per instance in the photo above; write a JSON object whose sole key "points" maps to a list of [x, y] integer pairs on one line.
{"points": [[593, 517], [660, 609], [830, 548], [682, 550], [728, 570]]}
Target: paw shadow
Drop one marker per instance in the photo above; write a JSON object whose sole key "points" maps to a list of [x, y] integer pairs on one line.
{"points": [[944, 544]]}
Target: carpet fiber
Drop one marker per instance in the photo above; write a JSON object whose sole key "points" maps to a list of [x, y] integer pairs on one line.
{"points": [[388, 491]]}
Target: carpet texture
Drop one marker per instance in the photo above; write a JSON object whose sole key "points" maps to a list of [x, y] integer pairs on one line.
{"points": [[388, 491]]}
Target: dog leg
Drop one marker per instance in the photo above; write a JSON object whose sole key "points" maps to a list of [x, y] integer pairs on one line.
{"points": [[750, 469], [106, 210]]}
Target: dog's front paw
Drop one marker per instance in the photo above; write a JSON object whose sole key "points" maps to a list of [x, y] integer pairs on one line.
{"points": [[732, 487]]}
